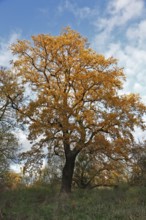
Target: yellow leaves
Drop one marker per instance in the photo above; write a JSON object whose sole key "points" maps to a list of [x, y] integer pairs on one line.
{"points": [[73, 100], [88, 115], [74, 84], [20, 47], [132, 98], [13, 180]]}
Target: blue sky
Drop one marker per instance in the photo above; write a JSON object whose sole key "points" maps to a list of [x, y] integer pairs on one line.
{"points": [[48, 16], [113, 27]]}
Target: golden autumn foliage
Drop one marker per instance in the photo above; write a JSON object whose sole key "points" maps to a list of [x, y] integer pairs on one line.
{"points": [[13, 180], [71, 100]]}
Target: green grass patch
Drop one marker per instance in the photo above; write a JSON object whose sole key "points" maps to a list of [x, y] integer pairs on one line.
{"points": [[44, 203]]}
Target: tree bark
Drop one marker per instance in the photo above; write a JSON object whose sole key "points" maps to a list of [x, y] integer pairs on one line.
{"points": [[67, 173]]}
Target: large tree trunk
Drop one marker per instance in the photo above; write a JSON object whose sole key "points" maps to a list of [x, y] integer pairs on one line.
{"points": [[67, 173]]}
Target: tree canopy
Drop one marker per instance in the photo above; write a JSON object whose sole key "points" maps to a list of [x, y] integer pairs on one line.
{"points": [[68, 95]]}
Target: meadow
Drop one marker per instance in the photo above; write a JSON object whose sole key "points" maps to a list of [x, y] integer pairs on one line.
{"points": [[45, 203]]}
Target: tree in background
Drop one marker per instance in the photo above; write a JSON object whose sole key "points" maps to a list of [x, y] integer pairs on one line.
{"points": [[8, 141], [8, 149], [50, 174], [138, 176], [95, 170], [73, 101]]}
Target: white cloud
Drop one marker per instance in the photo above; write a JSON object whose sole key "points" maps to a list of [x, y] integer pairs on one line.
{"points": [[117, 15], [5, 53], [133, 59], [127, 9], [24, 146], [124, 10], [121, 35], [23, 141], [16, 168], [127, 43], [137, 34], [79, 12]]}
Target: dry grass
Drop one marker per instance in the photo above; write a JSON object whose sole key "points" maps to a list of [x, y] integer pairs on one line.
{"points": [[44, 203]]}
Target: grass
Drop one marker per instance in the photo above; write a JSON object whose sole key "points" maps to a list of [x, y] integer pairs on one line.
{"points": [[44, 203]]}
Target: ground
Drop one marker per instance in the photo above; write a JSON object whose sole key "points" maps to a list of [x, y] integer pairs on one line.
{"points": [[45, 203]]}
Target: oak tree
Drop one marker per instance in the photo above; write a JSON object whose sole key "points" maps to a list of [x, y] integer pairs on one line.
{"points": [[73, 100]]}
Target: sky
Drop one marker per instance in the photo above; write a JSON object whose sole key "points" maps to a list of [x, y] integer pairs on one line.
{"points": [[113, 28]]}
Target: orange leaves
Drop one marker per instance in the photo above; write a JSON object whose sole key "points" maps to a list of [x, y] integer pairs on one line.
{"points": [[69, 97], [20, 47], [75, 92]]}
